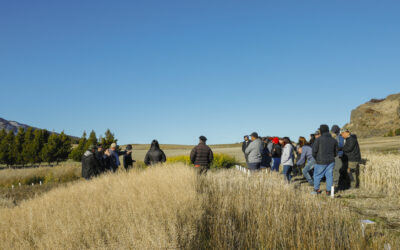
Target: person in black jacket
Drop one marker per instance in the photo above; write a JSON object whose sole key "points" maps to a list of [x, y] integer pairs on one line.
{"points": [[266, 155], [276, 154], [202, 156], [324, 151], [100, 158], [127, 158], [352, 157], [245, 144], [90, 164], [155, 155]]}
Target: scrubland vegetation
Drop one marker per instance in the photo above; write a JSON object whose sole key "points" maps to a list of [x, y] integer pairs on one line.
{"points": [[170, 207]]}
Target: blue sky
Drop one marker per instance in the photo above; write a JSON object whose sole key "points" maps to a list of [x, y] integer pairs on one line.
{"points": [[173, 70]]}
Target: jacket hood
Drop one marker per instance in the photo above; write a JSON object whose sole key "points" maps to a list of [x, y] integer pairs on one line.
{"points": [[155, 145]]}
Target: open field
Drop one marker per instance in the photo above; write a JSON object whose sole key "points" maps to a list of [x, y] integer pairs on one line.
{"points": [[377, 144], [168, 207]]}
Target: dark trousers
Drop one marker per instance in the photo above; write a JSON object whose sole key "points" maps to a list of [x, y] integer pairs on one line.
{"points": [[254, 166], [202, 170]]}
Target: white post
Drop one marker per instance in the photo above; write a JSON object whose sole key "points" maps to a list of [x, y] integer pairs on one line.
{"points": [[40, 183], [333, 192], [32, 184], [387, 246], [19, 184], [363, 229], [12, 187]]}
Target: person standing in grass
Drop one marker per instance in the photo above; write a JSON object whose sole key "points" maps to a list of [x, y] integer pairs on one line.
{"points": [[245, 144], [352, 157], [127, 159], [112, 157], [254, 152], [325, 149], [266, 155], [90, 164], [155, 155], [338, 172], [287, 158], [305, 152], [202, 156], [100, 158], [276, 154]]}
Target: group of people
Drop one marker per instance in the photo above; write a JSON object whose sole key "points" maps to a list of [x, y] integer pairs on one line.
{"points": [[97, 160], [331, 154]]}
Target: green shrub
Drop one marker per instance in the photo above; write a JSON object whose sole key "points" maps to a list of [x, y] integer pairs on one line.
{"points": [[397, 132], [220, 160]]}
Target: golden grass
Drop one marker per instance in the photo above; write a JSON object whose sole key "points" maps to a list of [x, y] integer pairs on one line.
{"points": [[381, 174], [65, 172], [170, 207]]}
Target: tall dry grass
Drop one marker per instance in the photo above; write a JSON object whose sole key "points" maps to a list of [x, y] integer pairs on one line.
{"points": [[170, 207], [65, 172], [381, 173]]}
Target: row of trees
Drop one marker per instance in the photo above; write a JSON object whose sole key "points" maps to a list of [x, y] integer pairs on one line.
{"points": [[36, 146], [84, 143], [33, 147]]}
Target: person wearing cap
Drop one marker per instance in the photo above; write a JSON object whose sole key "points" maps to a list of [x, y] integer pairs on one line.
{"points": [[325, 149], [127, 158], [276, 153], [287, 158], [338, 173], [202, 156], [254, 152], [352, 157], [245, 144], [155, 155], [90, 165]]}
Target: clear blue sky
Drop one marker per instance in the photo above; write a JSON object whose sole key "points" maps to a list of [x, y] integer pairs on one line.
{"points": [[174, 70]]}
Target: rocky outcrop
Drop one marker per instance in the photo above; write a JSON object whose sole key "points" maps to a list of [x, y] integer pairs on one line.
{"points": [[377, 117]]}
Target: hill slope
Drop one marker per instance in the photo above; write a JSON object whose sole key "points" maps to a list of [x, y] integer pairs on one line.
{"points": [[377, 117], [14, 126]]}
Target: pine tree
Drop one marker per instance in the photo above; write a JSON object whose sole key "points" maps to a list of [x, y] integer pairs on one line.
{"points": [[92, 140], [7, 149], [19, 145], [26, 152], [108, 139], [49, 151], [65, 147], [3, 134], [37, 145], [77, 152]]}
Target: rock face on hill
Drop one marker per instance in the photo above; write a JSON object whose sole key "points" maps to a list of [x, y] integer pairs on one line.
{"points": [[378, 117]]}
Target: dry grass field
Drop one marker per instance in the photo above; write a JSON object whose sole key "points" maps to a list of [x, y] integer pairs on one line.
{"points": [[169, 207]]}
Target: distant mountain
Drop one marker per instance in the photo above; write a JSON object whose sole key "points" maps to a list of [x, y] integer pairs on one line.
{"points": [[14, 126], [378, 117]]}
